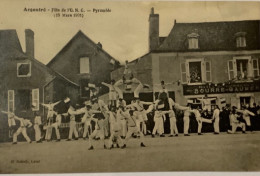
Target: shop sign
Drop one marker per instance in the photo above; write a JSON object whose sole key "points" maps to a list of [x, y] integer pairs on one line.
{"points": [[221, 88]]}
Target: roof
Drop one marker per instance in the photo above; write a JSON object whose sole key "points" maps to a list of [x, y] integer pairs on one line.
{"points": [[213, 36], [80, 34], [10, 47], [54, 73]]}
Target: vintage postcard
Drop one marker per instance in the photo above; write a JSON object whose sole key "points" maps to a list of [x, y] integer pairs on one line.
{"points": [[129, 86]]}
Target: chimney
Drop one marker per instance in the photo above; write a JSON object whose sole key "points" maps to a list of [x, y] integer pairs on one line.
{"points": [[29, 42], [99, 44], [153, 30]]}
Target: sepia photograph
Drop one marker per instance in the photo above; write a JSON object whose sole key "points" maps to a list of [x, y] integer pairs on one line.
{"points": [[129, 86]]}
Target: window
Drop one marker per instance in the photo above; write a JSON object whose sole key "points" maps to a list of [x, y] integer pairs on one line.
{"points": [[241, 42], [243, 68], [35, 99], [196, 71], [84, 65], [11, 100], [23, 69], [240, 39], [193, 41]]}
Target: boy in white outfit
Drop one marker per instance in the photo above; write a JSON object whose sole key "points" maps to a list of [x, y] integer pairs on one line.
{"points": [[114, 92], [37, 123], [159, 118], [200, 120], [132, 128], [216, 119], [122, 121], [11, 124], [56, 126], [24, 124], [72, 112], [186, 119], [206, 102], [246, 116], [115, 133], [98, 132], [235, 123]]}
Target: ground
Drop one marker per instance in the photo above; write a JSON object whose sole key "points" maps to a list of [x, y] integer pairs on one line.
{"points": [[223, 152]]}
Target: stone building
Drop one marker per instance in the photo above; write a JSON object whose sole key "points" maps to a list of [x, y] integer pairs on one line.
{"points": [[214, 59], [83, 61], [26, 82]]}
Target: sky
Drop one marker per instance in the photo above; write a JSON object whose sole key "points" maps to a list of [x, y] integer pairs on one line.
{"points": [[123, 32]]}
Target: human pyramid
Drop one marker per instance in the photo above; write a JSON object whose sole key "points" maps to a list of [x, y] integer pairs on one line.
{"points": [[117, 121]]}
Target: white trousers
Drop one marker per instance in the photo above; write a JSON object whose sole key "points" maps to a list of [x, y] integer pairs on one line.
{"points": [[115, 136], [73, 129], [123, 127], [247, 119], [200, 121], [37, 132], [97, 133], [132, 130], [19, 131], [236, 125], [48, 132], [216, 125], [87, 127], [173, 125], [57, 131], [158, 126], [186, 120]]}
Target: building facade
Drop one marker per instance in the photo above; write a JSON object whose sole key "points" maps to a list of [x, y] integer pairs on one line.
{"points": [[83, 61], [26, 82], [199, 60]]}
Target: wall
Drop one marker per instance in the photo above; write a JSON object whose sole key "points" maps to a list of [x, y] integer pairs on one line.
{"points": [[39, 77], [63, 89], [166, 66], [67, 61]]}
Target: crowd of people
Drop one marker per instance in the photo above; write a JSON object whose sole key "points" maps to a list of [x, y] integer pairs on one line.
{"points": [[117, 121]]}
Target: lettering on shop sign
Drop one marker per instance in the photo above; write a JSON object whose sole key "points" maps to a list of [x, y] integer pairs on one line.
{"points": [[221, 88]]}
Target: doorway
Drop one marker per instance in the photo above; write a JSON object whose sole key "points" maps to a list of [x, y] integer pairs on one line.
{"points": [[23, 103]]}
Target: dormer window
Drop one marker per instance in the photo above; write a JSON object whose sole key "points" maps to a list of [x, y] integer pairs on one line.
{"points": [[193, 41], [240, 39]]}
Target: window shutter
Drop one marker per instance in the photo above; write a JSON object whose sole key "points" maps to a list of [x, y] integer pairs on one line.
{"points": [[231, 72], [183, 73], [196, 43], [11, 100], [255, 68], [208, 71], [35, 99]]}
